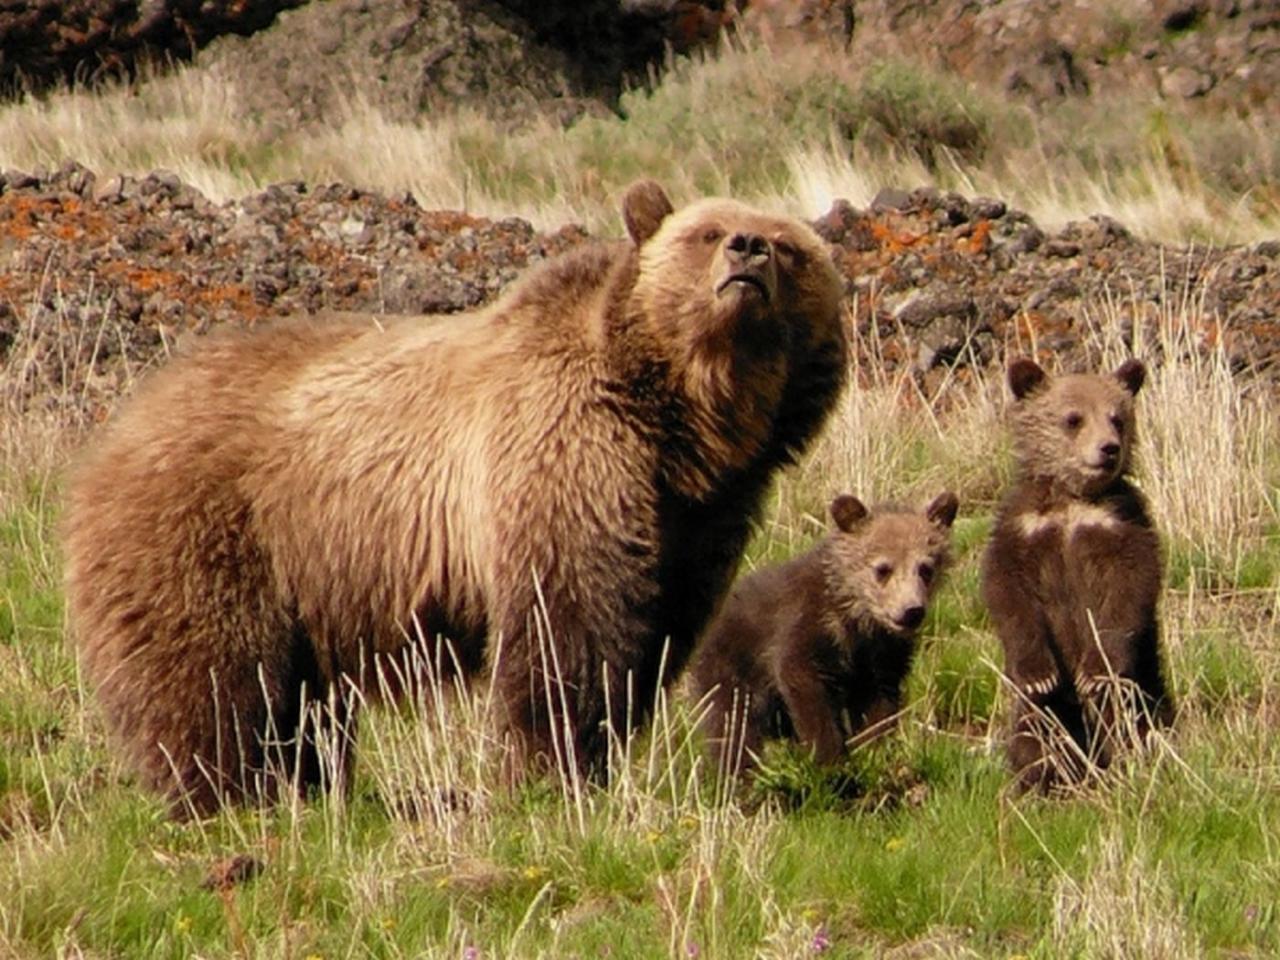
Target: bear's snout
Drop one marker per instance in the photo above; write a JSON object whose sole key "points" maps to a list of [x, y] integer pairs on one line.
{"points": [[748, 248], [1109, 454], [911, 617], [748, 259]]}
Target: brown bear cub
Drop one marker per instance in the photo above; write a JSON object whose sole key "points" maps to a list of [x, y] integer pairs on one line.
{"points": [[1072, 577], [555, 488], [816, 649]]}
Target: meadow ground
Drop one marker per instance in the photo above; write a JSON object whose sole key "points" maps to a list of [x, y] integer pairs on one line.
{"points": [[929, 854]]}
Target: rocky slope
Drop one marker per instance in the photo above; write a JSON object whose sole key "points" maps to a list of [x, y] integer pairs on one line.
{"points": [[410, 56], [98, 279]]}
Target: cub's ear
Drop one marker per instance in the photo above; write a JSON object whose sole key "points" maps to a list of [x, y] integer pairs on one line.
{"points": [[644, 206], [942, 511], [847, 510], [1025, 377], [1132, 375]]}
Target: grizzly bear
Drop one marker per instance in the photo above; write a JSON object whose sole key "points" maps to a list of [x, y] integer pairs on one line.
{"points": [[1072, 575], [816, 649], [556, 488]]}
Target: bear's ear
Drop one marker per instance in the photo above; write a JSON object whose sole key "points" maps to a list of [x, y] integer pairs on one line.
{"points": [[1132, 375], [1025, 376], [644, 207], [846, 511], [942, 511]]}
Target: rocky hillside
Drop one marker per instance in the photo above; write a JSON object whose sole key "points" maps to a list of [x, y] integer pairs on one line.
{"points": [[99, 277], [103, 277], [411, 56], [1225, 53]]}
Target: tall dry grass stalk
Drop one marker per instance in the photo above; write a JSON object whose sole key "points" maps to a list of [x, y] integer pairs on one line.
{"points": [[1122, 908], [892, 438], [1207, 456]]}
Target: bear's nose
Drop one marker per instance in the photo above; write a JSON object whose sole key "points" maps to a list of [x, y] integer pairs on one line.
{"points": [[911, 617], [748, 248], [1111, 450]]}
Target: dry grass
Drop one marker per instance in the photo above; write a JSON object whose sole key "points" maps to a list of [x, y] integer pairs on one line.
{"points": [[433, 856], [794, 129]]}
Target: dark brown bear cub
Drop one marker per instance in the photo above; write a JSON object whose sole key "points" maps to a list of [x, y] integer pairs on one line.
{"points": [[816, 649], [1072, 577]]}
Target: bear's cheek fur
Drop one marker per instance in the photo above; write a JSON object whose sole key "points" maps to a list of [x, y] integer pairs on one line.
{"points": [[679, 296], [1046, 449]]}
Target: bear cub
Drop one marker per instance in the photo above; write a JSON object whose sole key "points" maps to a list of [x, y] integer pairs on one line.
{"points": [[1072, 575], [816, 649]]}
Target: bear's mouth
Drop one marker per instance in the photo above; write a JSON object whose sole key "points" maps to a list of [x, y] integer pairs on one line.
{"points": [[1103, 466], [749, 280]]}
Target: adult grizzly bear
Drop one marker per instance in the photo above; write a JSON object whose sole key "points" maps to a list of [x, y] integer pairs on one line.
{"points": [[816, 649], [556, 484], [1072, 577]]}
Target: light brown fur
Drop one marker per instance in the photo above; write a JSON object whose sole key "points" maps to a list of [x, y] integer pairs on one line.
{"points": [[290, 506]]}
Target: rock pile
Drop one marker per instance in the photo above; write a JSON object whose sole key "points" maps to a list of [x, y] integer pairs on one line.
{"points": [[99, 278]]}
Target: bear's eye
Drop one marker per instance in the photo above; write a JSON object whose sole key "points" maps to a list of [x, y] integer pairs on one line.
{"points": [[925, 571], [882, 571], [1072, 421], [712, 235], [791, 255], [1117, 421]]}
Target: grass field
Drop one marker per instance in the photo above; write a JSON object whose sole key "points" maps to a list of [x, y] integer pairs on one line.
{"points": [[1176, 855]]}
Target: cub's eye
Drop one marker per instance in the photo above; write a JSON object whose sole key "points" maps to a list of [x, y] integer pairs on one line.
{"points": [[712, 235], [1072, 421], [883, 571], [925, 570], [1117, 421]]}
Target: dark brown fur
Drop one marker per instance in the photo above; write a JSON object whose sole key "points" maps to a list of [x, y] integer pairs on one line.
{"points": [[1072, 577], [555, 484], [816, 649]]}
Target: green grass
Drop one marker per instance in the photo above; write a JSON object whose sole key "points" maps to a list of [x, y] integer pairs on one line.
{"points": [[915, 842]]}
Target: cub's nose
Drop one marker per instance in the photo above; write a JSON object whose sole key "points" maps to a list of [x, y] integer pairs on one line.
{"points": [[748, 248], [911, 617]]}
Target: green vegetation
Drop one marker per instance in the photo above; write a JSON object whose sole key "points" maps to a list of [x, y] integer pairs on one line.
{"points": [[916, 842]]}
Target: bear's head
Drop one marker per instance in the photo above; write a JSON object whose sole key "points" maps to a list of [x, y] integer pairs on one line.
{"points": [[883, 565], [719, 266], [746, 306], [1075, 431]]}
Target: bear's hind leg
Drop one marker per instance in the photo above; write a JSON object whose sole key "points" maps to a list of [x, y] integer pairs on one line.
{"points": [[1047, 743]]}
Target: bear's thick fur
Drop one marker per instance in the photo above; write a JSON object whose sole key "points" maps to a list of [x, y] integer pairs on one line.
{"points": [[277, 513], [816, 649], [1072, 577]]}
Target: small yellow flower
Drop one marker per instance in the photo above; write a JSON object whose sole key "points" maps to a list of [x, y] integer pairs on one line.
{"points": [[895, 843], [653, 836], [689, 822], [388, 923], [534, 872], [442, 882], [809, 914], [182, 924]]}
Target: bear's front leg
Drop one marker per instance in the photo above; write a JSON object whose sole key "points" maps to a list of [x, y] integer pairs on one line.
{"points": [[879, 718], [809, 706]]}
